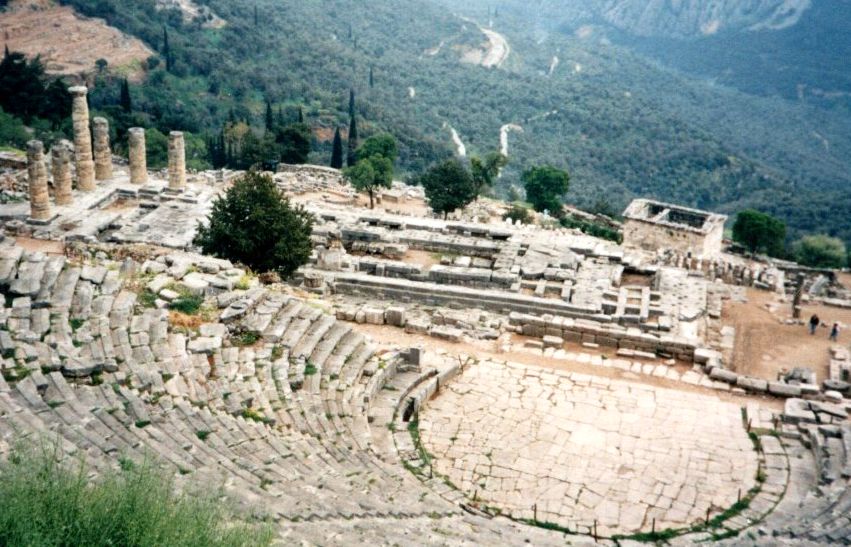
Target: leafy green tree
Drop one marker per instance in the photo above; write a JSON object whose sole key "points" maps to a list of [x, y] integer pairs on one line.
{"points": [[337, 151], [294, 140], [484, 171], [449, 186], [255, 224], [370, 174], [101, 65], [545, 188], [383, 145], [820, 251], [759, 232]]}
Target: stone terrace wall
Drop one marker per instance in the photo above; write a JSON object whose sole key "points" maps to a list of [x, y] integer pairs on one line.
{"points": [[604, 334]]}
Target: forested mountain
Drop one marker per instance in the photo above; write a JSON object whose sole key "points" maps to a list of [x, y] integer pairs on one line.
{"points": [[622, 122]]}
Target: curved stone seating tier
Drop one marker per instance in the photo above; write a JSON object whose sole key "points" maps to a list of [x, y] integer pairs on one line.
{"points": [[294, 425]]}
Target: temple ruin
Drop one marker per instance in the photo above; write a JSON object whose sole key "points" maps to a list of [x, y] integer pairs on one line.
{"points": [[653, 225]]}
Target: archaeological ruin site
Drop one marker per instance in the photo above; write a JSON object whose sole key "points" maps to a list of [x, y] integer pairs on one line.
{"points": [[423, 381]]}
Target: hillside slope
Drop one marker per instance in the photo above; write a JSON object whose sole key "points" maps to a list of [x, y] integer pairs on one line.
{"points": [[622, 125], [68, 44]]}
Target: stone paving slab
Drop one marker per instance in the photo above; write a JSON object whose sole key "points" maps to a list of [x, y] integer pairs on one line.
{"points": [[587, 449]]}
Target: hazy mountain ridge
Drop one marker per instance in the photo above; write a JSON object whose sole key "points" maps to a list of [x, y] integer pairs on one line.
{"points": [[688, 18]]}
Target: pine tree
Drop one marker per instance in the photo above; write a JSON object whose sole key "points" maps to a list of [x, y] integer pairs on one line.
{"points": [[352, 103], [125, 101], [371, 77], [351, 158], [337, 151], [270, 121]]}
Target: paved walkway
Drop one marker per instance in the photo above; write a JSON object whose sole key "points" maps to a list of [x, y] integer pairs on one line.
{"points": [[585, 448]]}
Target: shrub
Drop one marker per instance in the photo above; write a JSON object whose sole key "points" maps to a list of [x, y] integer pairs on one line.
{"points": [[44, 502], [518, 212], [820, 251], [253, 223]]}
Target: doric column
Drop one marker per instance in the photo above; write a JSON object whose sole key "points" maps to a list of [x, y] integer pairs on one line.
{"points": [[103, 154], [176, 161], [62, 153], [82, 140], [37, 171], [137, 156]]}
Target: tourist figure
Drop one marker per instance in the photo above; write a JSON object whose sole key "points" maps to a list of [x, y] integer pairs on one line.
{"points": [[834, 332], [814, 322]]}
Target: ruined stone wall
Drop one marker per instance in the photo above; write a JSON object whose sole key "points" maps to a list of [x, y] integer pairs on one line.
{"points": [[609, 335], [651, 237]]}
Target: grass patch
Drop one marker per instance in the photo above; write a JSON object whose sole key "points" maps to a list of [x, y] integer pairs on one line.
{"points": [[661, 536], [244, 283], [247, 338], [136, 505], [251, 414], [188, 304], [310, 369], [277, 352], [76, 324], [147, 299], [18, 372]]}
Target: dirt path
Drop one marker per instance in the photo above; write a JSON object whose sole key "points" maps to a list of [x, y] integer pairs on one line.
{"points": [[765, 346], [45, 246], [498, 51], [389, 338]]}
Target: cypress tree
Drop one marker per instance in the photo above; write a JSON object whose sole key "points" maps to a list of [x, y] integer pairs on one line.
{"points": [[270, 121], [166, 50], [300, 115], [371, 77], [337, 151], [352, 103], [279, 117], [125, 101], [351, 158], [256, 18]]}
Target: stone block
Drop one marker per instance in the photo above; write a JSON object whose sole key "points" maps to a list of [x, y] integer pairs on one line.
{"points": [[395, 316], [373, 316], [784, 390], [752, 384], [553, 341], [447, 333], [724, 375]]}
